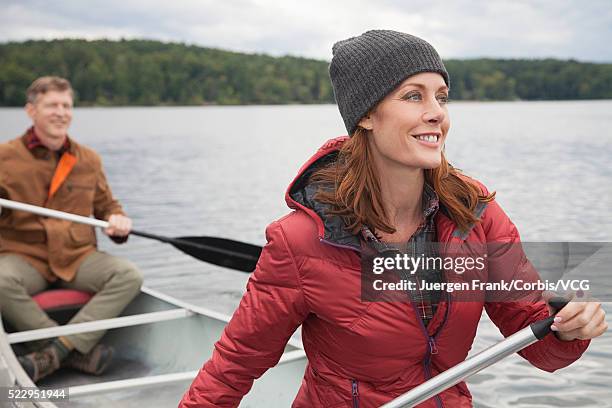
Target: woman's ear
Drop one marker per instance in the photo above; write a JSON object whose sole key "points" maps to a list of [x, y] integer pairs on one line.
{"points": [[366, 122]]}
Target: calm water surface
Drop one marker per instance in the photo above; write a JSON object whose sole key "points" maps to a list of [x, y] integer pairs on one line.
{"points": [[222, 171]]}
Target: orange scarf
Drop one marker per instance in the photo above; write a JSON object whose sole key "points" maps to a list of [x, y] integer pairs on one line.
{"points": [[63, 169]]}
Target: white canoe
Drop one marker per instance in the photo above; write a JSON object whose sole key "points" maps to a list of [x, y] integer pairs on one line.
{"points": [[160, 345]]}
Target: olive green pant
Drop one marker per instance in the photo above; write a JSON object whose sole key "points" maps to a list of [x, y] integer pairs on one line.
{"points": [[114, 281]]}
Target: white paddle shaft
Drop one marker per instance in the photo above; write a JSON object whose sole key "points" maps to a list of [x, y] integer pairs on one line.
{"points": [[47, 212]]}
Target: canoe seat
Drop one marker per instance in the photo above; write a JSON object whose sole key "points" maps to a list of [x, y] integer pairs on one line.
{"points": [[56, 300]]}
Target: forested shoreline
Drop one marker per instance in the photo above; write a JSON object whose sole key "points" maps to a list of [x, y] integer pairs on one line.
{"points": [[144, 72]]}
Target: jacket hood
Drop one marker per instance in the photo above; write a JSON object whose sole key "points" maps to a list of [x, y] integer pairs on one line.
{"points": [[300, 195]]}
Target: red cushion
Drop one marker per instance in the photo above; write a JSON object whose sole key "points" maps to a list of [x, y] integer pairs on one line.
{"points": [[60, 298]]}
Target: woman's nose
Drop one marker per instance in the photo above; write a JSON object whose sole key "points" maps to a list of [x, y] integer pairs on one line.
{"points": [[434, 113]]}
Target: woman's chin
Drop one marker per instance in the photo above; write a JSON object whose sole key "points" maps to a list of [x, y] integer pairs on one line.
{"points": [[431, 163]]}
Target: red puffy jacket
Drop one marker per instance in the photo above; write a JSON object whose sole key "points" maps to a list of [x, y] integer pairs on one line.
{"points": [[359, 354]]}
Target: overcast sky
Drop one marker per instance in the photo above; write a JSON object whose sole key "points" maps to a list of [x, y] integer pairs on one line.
{"points": [[458, 29]]}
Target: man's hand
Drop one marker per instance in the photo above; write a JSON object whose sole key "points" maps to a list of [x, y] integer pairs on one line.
{"points": [[118, 226], [579, 319]]}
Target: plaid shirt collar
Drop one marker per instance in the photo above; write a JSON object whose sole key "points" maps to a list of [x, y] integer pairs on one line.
{"points": [[431, 205], [32, 141]]}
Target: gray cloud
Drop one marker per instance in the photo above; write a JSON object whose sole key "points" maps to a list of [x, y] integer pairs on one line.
{"points": [[458, 29]]}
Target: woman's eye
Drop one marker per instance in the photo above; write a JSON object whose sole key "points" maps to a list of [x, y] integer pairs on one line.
{"points": [[412, 96], [442, 98]]}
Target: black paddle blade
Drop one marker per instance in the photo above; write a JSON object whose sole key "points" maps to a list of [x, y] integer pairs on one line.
{"points": [[220, 251]]}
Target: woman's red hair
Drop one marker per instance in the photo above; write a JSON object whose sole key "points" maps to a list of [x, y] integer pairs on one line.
{"points": [[357, 196]]}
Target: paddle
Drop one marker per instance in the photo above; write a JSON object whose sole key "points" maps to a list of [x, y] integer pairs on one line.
{"points": [[454, 375], [219, 251]]}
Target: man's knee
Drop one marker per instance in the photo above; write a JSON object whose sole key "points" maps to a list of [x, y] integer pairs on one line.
{"points": [[129, 276]]}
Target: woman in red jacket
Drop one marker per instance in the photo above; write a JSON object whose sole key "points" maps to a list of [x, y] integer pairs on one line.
{"points": [[388, 185]]}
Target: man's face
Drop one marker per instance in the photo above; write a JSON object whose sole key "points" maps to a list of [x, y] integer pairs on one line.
{"points": [[51, 114]]}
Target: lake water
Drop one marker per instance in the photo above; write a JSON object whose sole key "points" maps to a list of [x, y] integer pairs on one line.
{"points": [[222, 171]]}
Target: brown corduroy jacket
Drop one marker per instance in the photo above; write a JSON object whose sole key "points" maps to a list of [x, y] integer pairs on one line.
{"points": [[54, 247]]}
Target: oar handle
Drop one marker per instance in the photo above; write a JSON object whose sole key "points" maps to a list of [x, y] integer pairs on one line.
{"points": [[558, 303], [47, 212], [541, 328]]}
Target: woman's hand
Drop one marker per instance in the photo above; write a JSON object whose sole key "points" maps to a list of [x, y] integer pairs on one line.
{"points": [[583, 320]]}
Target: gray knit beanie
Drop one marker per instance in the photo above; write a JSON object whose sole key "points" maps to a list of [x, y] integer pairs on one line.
{"points": [[366, 68]]}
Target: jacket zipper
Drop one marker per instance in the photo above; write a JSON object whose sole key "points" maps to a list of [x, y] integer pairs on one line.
{"points": [[431, 343], [427, 370], [355, 392]]}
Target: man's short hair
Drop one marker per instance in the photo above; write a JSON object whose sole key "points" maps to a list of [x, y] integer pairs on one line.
{"points": [[45, 84]]}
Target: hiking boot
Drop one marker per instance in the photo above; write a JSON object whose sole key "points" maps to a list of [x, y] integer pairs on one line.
{"points": [[41, 363], [95, 362], [35, 345]]}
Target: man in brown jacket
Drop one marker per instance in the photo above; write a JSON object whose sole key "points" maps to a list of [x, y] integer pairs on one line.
{"points": [[47, 168]]}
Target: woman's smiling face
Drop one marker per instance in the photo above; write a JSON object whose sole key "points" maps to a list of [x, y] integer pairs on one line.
{"points": [[409, 126]]}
